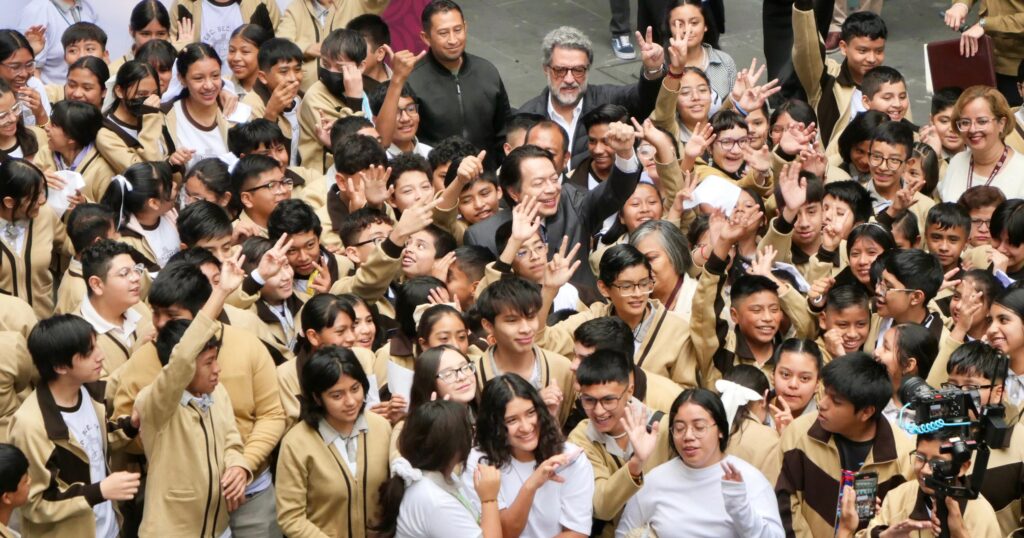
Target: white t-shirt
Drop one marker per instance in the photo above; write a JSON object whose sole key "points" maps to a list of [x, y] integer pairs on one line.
{"points": [[163, 240], [678, 501], [218, 23], [1007, 180], [207, 143], [435, 508], [556, 506], [85, 428]]}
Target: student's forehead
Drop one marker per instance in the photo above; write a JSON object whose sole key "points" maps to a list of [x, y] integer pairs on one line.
{"points": [[760, 298], [865, 41], [411, 177], [885, 147], [889, 277], [853, 311], [898, 86], [121, 260], [611, 387], [86, 43]]}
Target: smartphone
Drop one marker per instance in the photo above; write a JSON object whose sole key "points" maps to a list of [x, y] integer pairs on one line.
{"points": [[865, 486]]}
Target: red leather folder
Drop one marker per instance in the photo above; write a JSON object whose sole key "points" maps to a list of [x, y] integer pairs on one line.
{"points": [[950, 69]]}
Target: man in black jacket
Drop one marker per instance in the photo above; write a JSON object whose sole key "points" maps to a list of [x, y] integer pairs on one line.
{"points": [[568, 210], [459, 94], [568, 54]]}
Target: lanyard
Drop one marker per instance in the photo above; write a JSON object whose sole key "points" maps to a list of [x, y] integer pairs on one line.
{"points": [[466, 504], [999, 166]]}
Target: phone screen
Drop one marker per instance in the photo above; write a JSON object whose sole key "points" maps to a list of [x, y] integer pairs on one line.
{"points": [[865, 485]]}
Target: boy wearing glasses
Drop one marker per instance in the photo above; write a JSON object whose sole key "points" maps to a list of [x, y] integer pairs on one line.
{"points": [[847, 433], [892, 145], [910, 280], [258, 184], [264, 137], [621, 436], [111, 306]]}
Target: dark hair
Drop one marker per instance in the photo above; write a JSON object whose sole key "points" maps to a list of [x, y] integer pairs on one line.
{"points": [[603, 115], [26, 139], [13, 467], [197, 256], [444, 242], [848, 296], [472, 260], [1012, 299], [254, 248], [80, 121], [449, 149], [945, 98], [22, 181], [247, 169], [978, 358], [853, 194], [158, 54], [712, 404], [985, 282], [319, 313], [94, 65], [292, 217], [491, 431], [246, 138], [87, 224], [617, 259], [711, 22], [277, 50], [377, 96], [11, 41], [698, 227], [980, 196], [168, 337], [425, 369], [357, 153], [1008, 217], [863, 24], [346, 127], [914, 341], [929, 166], [202, 220], [430, 318], [146, 12], [435, 434], [859, 130], [357, 221], [148, 180], [407, 162], [213, 173], [96, 258], [131, 74], [344, 42], [605, 366], [83, 31], [798, 110], [860, 379], [510, 293], [802, 346], [748, 285], [878, 76], [872, 232], [606, 332], [182, 284], [56, 340], [322, 371], [895, 133], [905, 222], [254, 34], [916, 270], [523, 121], [372, 28], [435, 7], [189, 55], [510, 177], [411, 294], [753, 378], [726, 119], [948, 215]]}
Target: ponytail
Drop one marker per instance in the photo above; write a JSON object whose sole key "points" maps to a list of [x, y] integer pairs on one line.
{"points": [[128, 193]]}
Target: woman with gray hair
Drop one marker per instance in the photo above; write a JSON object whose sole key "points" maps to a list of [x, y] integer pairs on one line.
{"points": [[668, 251]]}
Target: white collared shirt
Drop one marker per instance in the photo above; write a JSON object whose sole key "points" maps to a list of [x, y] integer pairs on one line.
{"points": [[332, 437], [20, 229], [50, 61], [570, 126], [1015, 387], [421, 149], [125, 333]]}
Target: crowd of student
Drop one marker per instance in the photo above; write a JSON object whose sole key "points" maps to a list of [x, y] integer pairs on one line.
{"points": [[265, 276]]}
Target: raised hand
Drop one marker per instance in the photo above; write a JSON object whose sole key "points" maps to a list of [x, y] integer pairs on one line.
{"points": [[731, 473], [999, 261], [819, 289], [562, 266], [353, 79], [758, 159], [186, 29], [439, 269], [552, 397], [621, 137], [747, 93], [323, 128], [413, 219], [971, 302], [375, 184], [36, 37], [793, 189], [834, 342], [525, 221], [651, 53], [403, 63], [642, 441], [471, 167], [763, 261], [321, 281], [231, 273], [282, 98], [956, 15], [675, 213], [677, 51], [275, 259], [814, 161], [905, 197], [796, 137], [782, 415], [929, 135], [701, 139], [438, 296]]}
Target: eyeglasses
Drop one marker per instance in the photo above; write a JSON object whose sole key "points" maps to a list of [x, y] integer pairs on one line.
{"points": [[540, 249], [700, 429], [642, 287], [729, 143], [964, 124], [375, 240], [968, 388], [277, 185], [449, 375], [981, 223], [921, 459], [410, 110], [27, 67], [127, 272], [883, 289], [699, 91], [13, 114], [876, 159], [608, 403], [577, 71], [646, 151]]}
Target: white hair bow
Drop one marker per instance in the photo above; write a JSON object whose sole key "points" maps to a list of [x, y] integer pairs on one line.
{"points": [[734, 396], [401, 468], [125, 184]]}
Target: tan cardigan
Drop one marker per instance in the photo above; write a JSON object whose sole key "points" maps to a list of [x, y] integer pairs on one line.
{"points": [[317, 494], [188, 449], [96, 171], [17, 375], [16, 315], [318, 100], [27, 276], [122, 150], [289, 383], [115, 353]]}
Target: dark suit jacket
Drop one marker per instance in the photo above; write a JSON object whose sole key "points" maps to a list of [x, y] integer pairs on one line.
{"points": [[638, 98], [580, 216]]}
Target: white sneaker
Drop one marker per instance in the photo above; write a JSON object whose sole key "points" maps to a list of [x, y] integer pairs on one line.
{"points": [[623, 48]]}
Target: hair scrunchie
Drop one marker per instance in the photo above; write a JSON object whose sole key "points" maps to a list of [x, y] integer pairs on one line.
{"points": [[734, 396], [401, 468]]}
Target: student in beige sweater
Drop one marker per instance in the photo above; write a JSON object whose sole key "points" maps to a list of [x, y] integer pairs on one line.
{"points": [[14, 482]]}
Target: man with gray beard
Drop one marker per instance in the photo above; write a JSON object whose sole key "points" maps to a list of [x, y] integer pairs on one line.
{"points": [[568, 55]]}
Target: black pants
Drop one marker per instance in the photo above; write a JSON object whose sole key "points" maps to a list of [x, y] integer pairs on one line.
{"points": [[777, 23], [1007, 86], [652, 13], [619, 24]]}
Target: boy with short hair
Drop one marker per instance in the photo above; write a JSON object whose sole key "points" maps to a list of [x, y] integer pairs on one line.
{"points": [[799, 227], [62, 429], [845, 322], [112, 304], [616, 436], [516, 128], [941, 120], [264, 137], [337, 93], [258, 184], [848, 432], [892, 145], [206, 225], [598, 167], [84, 39], [359, 180], [981, 202], [378, 42], [315, 268], [946, 229], [14, 484], [466, 273], [275, 94], [86, 225], [424, 249], [508, 310], [409, 182], [910, 280], [884, 89], [401, 138]]}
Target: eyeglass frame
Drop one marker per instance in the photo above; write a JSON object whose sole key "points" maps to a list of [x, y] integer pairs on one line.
{"points": [[578, 71], [16, 111], [467, 370], [604, 401], [138, 270], [729, 143], [884, 289], [876, 159], [970, 387], [375, 240], [28, 67], [697, 434], [540, 249], [285, 183], [965, 124], [628, 289], [982, 222]]}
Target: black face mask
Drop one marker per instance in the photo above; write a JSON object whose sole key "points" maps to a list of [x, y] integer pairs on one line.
{"points": [[335, 82], [135, 105]]}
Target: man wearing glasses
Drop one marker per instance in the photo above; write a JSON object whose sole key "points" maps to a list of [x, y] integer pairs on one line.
{"points": [[49, 19], [568, 55]]}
